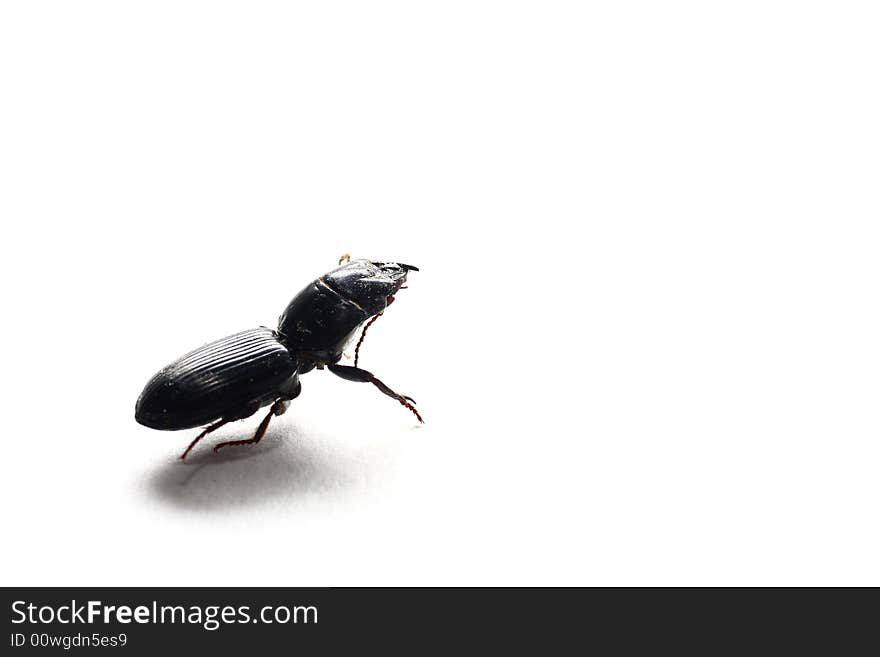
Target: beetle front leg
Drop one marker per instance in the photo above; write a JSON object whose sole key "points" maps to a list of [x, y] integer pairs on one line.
{"points": [[357, 349], [362, 376]]}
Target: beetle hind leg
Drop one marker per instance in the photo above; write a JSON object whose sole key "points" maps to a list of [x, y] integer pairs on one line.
{"points": [[204, 433], [278, 408]]}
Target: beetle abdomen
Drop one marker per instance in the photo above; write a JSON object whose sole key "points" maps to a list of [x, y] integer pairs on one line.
{"points": [[225, 379]]}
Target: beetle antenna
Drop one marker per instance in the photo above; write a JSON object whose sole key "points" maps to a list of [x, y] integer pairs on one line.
{"points": [[357, 349]]}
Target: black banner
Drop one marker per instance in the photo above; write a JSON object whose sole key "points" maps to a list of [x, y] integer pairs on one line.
{"points": [[147, 620]]}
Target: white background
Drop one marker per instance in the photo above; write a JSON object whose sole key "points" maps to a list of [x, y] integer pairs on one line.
{"points": [[644, 337]]}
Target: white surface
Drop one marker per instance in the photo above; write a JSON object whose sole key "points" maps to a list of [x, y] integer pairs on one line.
{"points": [[644, 336]]}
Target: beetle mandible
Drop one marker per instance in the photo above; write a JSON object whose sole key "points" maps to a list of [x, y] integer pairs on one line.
{"points": [[232, 378]]}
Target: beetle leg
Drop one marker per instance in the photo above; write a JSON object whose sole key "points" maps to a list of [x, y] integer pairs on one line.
{"points": [[204, 433], [357, 349], [362, 376], [364, 332], [278, 408]]}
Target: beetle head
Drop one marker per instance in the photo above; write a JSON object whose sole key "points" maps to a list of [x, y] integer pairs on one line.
{"points": [[371, 285]]}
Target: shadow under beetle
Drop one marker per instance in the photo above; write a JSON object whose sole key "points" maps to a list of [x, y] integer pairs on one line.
{"points": [[232, 378]]}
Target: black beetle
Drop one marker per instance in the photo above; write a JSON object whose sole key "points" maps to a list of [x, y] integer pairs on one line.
{"points": [[232, 378]]}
